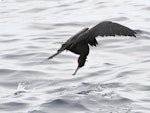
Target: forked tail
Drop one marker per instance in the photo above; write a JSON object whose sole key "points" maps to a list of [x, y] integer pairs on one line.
{"points": [[51, 57]]}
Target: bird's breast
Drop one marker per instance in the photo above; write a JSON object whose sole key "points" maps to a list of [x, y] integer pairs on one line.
{"points": [[81, 48]]}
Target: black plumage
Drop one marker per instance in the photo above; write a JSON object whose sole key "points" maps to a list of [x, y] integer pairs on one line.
{"points": [[79, 43]]}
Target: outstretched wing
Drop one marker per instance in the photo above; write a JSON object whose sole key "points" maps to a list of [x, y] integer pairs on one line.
{"points": [[68, 43], [106, 28], [109, 28]]}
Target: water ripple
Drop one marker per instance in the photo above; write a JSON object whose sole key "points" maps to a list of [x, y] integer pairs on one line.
{"points": [[115, 78]]}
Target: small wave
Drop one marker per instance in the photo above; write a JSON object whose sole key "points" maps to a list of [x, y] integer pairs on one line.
{"points": [[138, 31], [13, 106], [64, 104], [10, 40], [36, 111], [147, 8], [34, 10], [7, 71], [58, 102], [39, 26], [119, 19]]}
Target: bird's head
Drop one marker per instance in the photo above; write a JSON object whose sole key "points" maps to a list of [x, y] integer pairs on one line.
{"points": [[81, 63]]}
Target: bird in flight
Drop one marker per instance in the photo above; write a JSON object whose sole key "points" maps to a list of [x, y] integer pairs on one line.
{"points": [[79, 43]]}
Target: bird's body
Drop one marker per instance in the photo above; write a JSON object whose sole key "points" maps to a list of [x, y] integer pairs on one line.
{"points": [[79, 43], [81, 48]]}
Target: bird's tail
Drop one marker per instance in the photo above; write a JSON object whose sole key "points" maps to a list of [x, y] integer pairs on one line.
{"points": [[50, 57]]}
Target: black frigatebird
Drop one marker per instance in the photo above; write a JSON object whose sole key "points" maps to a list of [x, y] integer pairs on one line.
{"points": [[79, 43]]}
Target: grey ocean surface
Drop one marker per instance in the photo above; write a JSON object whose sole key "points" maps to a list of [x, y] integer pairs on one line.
{"points": [[115, 78]]}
